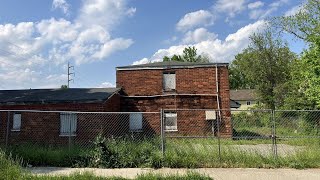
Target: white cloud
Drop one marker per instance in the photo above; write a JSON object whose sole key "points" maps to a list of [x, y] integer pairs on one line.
{"points": [[255, 5], [294, 10], [230, 7], [278, 3], [198, 35], [106, 85], [141, 61], [30, 51], [217, 50], [264, 13], [170, 40], [195, 19], [131, 11], [61, 4], [105, 13]]}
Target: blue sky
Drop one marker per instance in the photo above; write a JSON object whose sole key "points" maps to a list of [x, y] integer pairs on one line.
{"points": [[39, 37]]}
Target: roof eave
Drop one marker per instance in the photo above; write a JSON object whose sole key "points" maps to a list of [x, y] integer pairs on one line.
{"points": [[170, 67]]}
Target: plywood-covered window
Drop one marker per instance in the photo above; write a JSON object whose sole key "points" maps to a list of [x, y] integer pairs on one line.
{"points": [[135, 122], [68, 124], [169, 81], [16, 126], [170, 121]]}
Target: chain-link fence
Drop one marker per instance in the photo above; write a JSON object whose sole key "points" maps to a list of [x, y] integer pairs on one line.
{"points": [[67, 129], [264, 134], [206, 135]]}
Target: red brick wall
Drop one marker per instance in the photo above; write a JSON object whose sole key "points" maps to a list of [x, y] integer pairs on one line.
{"points": [[188, 81], [44, 127]]}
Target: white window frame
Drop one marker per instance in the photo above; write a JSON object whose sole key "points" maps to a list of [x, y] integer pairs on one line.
{"points": [[248, 103], [170, 115], [16, 125], [135, 122], [68, 121], [169, 79]]}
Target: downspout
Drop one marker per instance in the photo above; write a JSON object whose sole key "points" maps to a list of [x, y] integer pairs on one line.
{"points": [[218, 100], [219, 113]]}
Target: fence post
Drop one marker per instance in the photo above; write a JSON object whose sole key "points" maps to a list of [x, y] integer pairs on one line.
{"points": [[274, 136], [69, 117], [162, 132], [218, 134], [8, 129]]}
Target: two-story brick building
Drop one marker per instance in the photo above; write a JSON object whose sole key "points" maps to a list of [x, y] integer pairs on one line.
{"points": [[178, 88]]}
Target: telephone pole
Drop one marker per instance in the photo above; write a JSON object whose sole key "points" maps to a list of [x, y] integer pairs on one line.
{"points": [[70, 73]]}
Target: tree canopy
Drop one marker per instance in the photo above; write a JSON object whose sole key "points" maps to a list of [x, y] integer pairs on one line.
{"points": [[189, 55], [305, 25], [264, 65]]}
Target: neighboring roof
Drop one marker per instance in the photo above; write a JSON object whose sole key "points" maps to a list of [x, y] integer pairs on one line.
{"points": [[170, 64], [234, 104], [36, 96], [243, 94]]}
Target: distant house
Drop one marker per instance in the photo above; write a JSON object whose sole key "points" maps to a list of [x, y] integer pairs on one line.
{"points": [[179, 88], [246, 98]]}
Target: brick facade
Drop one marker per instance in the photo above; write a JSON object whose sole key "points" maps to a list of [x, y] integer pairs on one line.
{"points": [[195, 89], [44, 127]]}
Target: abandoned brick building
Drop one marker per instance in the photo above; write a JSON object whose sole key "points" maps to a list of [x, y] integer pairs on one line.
{"points": [[177, 88]]}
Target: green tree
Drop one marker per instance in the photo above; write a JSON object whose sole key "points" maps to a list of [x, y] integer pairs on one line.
{"points": [[237, 72], [305, 25], [264, 65], [295, 87], [189, 55], [64, 86]]}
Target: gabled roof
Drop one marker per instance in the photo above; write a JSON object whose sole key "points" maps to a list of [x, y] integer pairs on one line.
{"points": [[170, 64], [43, 96], [243, 94]]}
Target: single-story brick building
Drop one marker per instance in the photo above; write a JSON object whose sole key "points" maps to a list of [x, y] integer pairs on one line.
{"points": [[178, 88], [51, 126]]}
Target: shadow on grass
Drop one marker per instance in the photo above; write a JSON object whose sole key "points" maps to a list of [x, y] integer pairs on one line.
{"points": [[247, 135]]}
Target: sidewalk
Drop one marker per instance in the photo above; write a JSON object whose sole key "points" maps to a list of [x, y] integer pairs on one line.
{"points": [[216, 173]]}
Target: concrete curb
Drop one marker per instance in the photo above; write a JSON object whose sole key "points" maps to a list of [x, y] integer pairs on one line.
{"points": [[216, 173]]}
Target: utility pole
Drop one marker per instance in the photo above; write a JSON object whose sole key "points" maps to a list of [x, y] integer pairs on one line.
{"points": [[70, 73]]}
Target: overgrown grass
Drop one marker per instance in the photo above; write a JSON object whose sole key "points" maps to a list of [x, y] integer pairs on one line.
{"points": [[76, 176], [187, 153], [255, 154], [10, 169], [40, 155]]}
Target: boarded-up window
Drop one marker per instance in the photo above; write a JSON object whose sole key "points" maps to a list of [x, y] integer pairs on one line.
{"points": [[169, 81], [170, 121], [135, 122], [68, 124], [16, 122]]}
